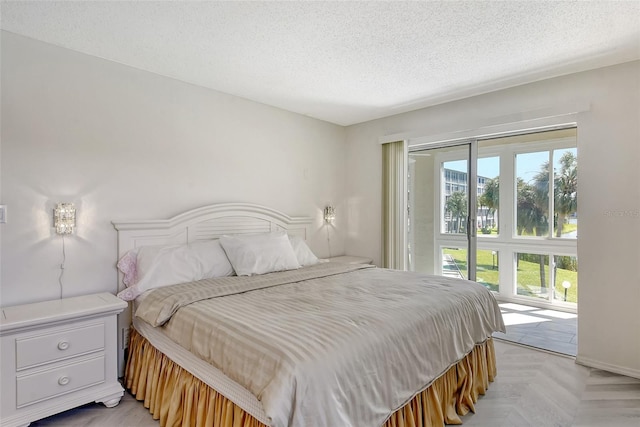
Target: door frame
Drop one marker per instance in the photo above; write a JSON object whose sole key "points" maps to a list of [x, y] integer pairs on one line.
{"points": [[471, 144]]}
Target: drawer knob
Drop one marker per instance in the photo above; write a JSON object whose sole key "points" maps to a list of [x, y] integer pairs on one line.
{"points": [[63, 380], [63, 345]]}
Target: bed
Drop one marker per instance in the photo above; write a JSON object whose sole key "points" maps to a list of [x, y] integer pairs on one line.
{"points": [[326, 344]]}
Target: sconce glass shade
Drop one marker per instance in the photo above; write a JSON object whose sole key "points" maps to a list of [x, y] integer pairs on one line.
{"points": [[329, 214], [64, 218]]}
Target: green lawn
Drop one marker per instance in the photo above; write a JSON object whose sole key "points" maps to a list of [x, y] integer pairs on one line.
{"points": [[528, 275], [566, 228]]}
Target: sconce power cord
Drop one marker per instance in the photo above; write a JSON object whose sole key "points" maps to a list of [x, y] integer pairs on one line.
{"points": [[64, 258], [329, 238]]}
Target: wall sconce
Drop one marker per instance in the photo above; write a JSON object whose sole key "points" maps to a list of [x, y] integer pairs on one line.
{"points": [[64, 218], [329, 214]]}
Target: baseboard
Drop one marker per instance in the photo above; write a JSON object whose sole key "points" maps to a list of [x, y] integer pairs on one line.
{"points": [[531, 347], [585, 361]]}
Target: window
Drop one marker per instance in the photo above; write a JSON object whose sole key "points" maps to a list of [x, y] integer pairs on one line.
{"points": [[526, 214], [532, 275], [547, 203]]}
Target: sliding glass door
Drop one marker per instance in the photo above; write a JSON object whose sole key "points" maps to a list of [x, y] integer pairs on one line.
{"points": [[441, 227], [519, 238]]}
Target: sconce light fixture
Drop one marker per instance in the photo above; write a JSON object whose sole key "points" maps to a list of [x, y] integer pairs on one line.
{"points": [[329, 214], [64, 218]]}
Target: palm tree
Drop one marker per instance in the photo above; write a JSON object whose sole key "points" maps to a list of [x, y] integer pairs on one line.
{"points": [[532, 215], [566, 189], [540, 187], [456, 205], [532, 210], [491, 196]]}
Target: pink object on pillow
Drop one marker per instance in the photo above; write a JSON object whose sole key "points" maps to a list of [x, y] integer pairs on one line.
{"points": [[128, 266], [129, 294]]}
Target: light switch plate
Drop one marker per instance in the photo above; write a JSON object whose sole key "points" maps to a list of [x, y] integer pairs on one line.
{"points": [[3, 214]]}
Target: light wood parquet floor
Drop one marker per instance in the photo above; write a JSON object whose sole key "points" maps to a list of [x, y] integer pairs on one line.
{"points": [[533, 388]]}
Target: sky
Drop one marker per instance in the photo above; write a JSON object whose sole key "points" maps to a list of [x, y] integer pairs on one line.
{"points": [[527, 164]]}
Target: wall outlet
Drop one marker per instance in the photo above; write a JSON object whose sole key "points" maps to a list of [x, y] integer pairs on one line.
{"points": [[125, 337], [3, 214]]}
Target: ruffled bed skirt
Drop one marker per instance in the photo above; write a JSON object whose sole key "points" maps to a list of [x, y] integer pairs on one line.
{"points": [[177, 398]]}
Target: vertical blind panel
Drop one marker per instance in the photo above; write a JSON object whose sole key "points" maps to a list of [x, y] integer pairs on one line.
{"points": [[393, 192]]}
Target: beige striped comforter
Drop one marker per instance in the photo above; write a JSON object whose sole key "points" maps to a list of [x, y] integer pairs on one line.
{"points": [[328, 345]]}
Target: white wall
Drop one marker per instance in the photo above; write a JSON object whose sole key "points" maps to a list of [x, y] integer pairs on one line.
{"points": [[127, 144], [609, 200]]}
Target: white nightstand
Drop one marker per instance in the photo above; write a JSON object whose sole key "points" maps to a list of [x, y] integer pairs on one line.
{"points": [[347, 259], [56, 355]]}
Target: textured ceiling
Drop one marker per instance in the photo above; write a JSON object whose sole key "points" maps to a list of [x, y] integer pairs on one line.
{"points": [[343, 62]]}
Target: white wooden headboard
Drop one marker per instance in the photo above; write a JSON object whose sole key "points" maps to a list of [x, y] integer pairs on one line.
{"points": [[207, 222]]}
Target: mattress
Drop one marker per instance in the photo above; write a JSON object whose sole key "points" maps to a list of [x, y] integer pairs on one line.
{"points": [[326, 345]]}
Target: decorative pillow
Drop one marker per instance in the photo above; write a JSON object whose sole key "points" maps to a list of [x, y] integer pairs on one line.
{"points": [[159, 266], [260, 253], [128, 266], [129, 294], [303, 253]]}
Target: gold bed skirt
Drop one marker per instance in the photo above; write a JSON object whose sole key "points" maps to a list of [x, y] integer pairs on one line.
{"points": [[177, 398]]}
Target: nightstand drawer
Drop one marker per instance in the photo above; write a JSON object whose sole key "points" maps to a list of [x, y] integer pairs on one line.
{"points": [[58, 344], [47, 384]]}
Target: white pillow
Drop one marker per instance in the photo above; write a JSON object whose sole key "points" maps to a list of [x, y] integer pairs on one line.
{"points": [[159, 266], [260, 253], [211, 259], [303, 253]]}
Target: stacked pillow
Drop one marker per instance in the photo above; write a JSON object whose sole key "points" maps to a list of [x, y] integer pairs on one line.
{"points": [[303, 254], [151, 267], [260, 253]]}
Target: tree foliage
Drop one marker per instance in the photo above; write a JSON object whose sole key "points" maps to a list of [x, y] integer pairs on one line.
{"points": [[566, 189], [456, 205], [490, 197]]}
